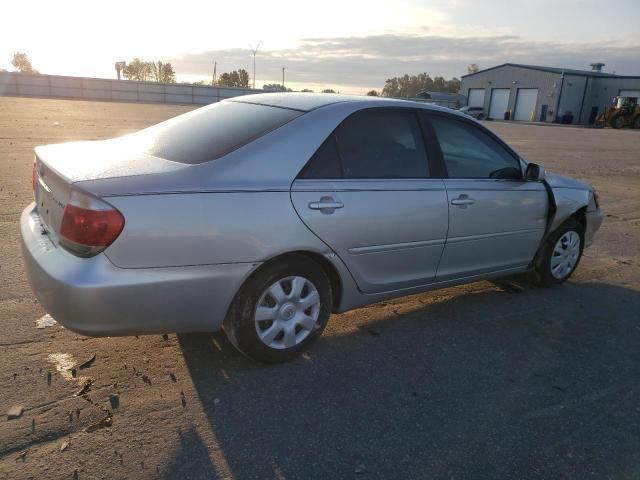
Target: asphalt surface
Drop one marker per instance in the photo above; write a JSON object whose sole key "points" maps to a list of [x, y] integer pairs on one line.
{"points": [[484, 381]]}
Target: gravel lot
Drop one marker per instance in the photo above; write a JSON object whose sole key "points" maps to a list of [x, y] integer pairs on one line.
{"points": [[482, 381]]}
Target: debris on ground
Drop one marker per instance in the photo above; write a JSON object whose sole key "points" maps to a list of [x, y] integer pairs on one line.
{"points": [[165, 337], [48, 378], [361, 468], [87, 363], [216, 401], [22, 455], [45, 321], [64, 364], [15, 412], [146, 379], [86, 386], [107, 421], [114, 401], [64, 445], [173, 378]]}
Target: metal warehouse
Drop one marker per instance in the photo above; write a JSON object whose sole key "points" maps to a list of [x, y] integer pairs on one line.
{"points": [[546, 94]]}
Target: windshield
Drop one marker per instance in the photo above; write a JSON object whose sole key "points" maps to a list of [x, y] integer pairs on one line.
{"points": [[211, 132]]}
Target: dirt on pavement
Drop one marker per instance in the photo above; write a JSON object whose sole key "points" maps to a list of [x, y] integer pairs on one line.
{"points": [[488, 380]]}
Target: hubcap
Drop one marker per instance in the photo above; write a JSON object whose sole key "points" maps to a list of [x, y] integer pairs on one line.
{"points": [[565, 255], [287, 312]]}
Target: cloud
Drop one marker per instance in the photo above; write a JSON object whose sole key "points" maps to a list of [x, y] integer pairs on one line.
{"points": [[359, 63]]}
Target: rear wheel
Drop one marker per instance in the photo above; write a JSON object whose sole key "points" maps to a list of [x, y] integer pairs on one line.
{"points": [[280, 311], [560, 255]]}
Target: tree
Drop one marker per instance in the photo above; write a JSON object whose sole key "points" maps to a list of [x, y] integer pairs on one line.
{"points": [[473, 68], [22, 63], [237, 78], [329, 90], [306, 90], [275, 87], [409, 86], [139, 70], [373, 93], [163, 72]]}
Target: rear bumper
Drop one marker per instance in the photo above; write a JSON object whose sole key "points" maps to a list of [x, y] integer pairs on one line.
{"points": [[93, 297]]}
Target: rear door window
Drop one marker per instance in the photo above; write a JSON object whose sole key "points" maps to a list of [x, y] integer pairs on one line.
{"points": [[211, 132], [373, 144]]}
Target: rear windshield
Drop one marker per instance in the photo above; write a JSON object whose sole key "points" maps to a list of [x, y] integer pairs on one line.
{"points": [[211, 132]]}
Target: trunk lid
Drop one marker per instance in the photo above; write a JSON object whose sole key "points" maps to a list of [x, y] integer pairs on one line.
{"points": [[94, 160]]}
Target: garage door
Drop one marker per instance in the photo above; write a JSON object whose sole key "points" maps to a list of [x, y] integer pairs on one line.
{"points": [[499, 102], [476, 97], [525, 104], [630, 93]]}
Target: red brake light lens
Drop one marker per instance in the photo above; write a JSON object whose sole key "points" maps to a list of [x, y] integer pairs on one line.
{"points": [[82, 228]]}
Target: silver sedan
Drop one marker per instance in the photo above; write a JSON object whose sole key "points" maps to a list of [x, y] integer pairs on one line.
{"points": [[262, 215]]}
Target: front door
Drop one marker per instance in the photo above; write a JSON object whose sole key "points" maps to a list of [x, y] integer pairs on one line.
{"points": [[367, 193], [496, 219]]}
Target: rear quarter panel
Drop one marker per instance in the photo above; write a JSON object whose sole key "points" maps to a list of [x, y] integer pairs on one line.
{"points": [[208, 228]]}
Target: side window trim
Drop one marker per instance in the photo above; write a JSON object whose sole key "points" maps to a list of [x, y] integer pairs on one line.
{"points": [[427, 115], [428, 147], [437, 166]]}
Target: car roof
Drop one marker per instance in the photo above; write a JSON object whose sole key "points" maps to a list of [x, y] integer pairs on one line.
{"points": [[305, 102]]}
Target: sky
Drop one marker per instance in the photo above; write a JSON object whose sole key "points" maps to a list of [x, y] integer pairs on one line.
{"points": [[350, 46]]}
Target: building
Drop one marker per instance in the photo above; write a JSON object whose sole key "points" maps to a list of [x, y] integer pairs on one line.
{"points": [[546, 94]]}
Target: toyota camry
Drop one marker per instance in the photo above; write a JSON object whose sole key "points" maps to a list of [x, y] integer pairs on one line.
{"points": [[261, 215]]}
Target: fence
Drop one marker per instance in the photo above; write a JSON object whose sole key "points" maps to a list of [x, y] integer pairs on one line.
{"points": [[80, 88]]}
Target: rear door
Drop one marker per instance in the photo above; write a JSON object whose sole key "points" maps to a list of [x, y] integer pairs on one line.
{"points": [[496, 219], [369, 194]]}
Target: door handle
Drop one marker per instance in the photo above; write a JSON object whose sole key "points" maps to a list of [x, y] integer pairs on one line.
{"points": [[322, 205], [463, 200], [326, 205]]}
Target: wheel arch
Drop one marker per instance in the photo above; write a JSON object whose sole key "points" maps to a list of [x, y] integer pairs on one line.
{"points": [[330, 270]]}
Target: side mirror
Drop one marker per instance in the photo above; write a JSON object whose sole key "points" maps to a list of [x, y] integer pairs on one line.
{"points": [[534, 172]]}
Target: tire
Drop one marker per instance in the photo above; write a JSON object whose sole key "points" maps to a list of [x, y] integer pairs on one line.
{"points": [[618, 122], [546, 272], [481, 116], [286, 328]]}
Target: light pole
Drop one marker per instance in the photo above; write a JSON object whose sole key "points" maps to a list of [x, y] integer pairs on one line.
{"points": [[254, 51], [215, 67], [283, 89]]}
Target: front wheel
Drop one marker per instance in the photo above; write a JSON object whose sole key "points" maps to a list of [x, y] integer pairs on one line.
{"points": [[280, 311], [560, 255], [618, 122]]}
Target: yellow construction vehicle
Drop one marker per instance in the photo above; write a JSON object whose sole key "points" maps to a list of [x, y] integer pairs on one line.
{"points": [[626, 113]]}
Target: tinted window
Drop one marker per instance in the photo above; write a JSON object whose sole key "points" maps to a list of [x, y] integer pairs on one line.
{"points": [[382, 144], [468, 152], [211, 132], [325, 163]]}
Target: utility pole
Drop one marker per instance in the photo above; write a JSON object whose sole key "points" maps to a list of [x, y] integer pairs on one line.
{"points": [[254, 51], [283, 89], [215, 66]]}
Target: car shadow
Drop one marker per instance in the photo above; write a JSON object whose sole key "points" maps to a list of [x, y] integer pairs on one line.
{"points": [[505, 381]]}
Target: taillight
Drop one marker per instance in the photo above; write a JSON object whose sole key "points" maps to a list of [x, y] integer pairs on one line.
{"points": [[88, 227]]}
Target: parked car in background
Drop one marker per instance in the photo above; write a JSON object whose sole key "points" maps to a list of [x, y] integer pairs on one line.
{"points": [[263, 214], [475, 112]]}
